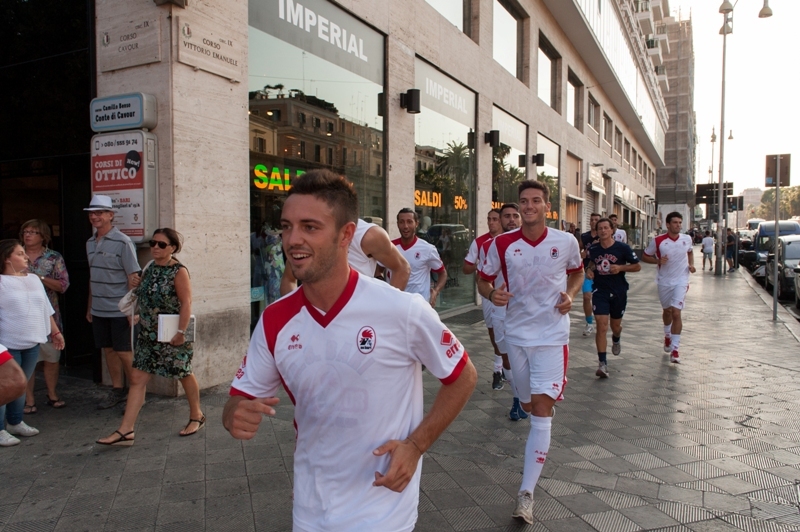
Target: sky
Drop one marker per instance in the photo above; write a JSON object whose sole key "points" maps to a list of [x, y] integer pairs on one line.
{"points": [[762, 107]]}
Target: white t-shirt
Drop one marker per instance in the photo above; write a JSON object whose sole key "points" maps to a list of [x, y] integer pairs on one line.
{"points": [[354, 375], [472, 253], [621, 236], [356, 256], [536, 274], [423, 259], [676, 271], [24, 311], [708, 244]]}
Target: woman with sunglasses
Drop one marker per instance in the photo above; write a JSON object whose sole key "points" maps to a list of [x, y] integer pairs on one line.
{"points": [[164, 289], [48, 265]]}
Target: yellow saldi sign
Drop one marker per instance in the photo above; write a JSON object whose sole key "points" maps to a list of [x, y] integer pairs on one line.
{"points": [[274, 179]]}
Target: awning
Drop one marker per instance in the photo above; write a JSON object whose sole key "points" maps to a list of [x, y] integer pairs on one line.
{"points": [[594, 187], [574, 198], [625, 204]]}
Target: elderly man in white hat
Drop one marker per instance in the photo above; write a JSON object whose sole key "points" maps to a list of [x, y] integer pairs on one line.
{"points": [[113, 269]]}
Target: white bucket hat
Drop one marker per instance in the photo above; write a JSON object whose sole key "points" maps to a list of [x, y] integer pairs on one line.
{"points": [[100, 203]]}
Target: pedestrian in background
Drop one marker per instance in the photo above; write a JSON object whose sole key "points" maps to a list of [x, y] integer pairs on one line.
{"points": [[165, 288], [708, 251], [48, 265], [730, 249], [113, 270], [26, 320]]}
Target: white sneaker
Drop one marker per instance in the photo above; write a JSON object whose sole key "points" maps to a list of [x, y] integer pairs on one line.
{"points": [[602, 371], [524, 509], [22, 430], [7, 440], [588, 330], [675, 358]]}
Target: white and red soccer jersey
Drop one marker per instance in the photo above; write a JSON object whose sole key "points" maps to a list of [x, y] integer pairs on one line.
{"points": [[536, 274], [423, 259], [354, 376], [356, 256], [676, 271], [498, 314], [5, 356], [473, 254]]}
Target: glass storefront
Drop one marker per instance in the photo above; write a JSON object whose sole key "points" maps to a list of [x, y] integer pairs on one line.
{"points": [[444, 178], [314, 81], [550, 175], [507, 173]]}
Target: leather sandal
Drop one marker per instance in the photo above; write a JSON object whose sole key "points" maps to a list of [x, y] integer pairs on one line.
{"points": [[55, 403], [200, 424], [122, 441], [29, 410]]}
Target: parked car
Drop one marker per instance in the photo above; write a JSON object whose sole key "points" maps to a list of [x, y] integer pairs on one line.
{"points": [[787, 257], [763, 244]]}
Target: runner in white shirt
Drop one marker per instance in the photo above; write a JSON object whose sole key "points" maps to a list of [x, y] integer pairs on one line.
{"points": [[541, 273], [370, 245], [421, 256], [670, 251], [619, 234], [348, 350]]}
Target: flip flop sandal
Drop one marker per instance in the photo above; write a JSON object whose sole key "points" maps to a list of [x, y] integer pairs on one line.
{"points": [[200, 424], [29, 410], [56, 403], [123, 441]]}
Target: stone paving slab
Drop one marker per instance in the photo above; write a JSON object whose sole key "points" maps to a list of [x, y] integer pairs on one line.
{"points": [[710, 445]]}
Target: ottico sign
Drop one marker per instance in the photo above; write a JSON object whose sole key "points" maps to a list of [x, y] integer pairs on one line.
{"points": [[124, 168]]}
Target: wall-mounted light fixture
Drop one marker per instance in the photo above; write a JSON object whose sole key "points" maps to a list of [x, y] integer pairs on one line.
{"points": [[409, 101], [538, 159], [492, 138], [179, 3], [595, 165], [522, 160], [612, 170]]}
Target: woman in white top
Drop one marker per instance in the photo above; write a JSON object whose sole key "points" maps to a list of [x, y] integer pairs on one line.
{"points": [[26, 320]]}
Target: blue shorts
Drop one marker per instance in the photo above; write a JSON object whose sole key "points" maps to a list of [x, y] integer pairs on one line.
{"points": [[729, 252], [587, 285], [605, 303]]}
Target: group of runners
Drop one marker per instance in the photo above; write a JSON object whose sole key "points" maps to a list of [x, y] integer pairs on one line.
{"points": [[349, 349]]}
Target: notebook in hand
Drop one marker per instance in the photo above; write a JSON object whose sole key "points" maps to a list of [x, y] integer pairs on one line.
{"points": [[168, 327]]}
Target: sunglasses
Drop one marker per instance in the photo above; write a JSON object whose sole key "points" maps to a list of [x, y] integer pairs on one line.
{"points": [[160, 244]]}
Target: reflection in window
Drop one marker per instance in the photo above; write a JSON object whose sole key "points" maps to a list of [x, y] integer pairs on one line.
{"points": [[506, 33], [549, 174], [506, 171], [456, 11]]}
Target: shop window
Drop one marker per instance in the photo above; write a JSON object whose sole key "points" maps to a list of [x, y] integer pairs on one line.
{"points": [[507, 36], [547, 84]]}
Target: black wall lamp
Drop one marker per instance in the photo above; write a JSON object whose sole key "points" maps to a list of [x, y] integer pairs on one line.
{"points": [[536, 160], [409, 101], [492, 138]]}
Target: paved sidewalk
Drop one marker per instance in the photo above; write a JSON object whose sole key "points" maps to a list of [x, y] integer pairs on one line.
{"points": [[710, 445]]}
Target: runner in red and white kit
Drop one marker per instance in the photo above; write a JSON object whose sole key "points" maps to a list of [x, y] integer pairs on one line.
{"points": [[348, 350], [541, 273], [12, 378], [421, 256], [671, 251], [472, 263]]}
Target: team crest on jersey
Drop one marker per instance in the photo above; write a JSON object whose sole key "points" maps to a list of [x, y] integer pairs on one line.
{"points": [[553, 253], [366, 340], [240, 371], [517, 252], [447, 337], [417, 255]]}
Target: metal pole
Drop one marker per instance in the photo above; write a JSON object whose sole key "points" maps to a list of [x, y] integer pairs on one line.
{"points": [[775, 242], [718, 266]]}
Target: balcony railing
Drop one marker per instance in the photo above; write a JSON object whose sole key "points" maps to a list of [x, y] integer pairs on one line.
{"points": [[661, 29], [642, 5], [661, 70]]}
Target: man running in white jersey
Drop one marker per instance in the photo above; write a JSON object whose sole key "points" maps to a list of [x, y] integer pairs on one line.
{"points": [[370, 245], [619, 234], [472, 263], [421, 256], [348, 350], [541, 272], [671, 251]]}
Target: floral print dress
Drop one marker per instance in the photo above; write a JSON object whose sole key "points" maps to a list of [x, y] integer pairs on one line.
{"points": [[51, 264], [157, 295]]}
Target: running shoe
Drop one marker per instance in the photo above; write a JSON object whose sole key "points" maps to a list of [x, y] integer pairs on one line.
{"points": [[7, 440], [524, 509], [21, 429], [497, 381], [616, 348], [667, 344], [602, 370], [589, 330], [675, 358], [517, 412]]}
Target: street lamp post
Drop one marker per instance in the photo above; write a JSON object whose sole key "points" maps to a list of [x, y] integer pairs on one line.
{"points": [[711, 176], [727, 27]]}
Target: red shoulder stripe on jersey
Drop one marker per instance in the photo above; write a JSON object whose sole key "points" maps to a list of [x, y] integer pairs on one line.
{"points": [[276, 316], [440, 270], [5, 356], [338, 306], [456, 371], [468, 262], [487, 277], [575, 270], [235, 391]]}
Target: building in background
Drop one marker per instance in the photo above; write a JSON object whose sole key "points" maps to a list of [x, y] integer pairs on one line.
{"points": [[676, 179], [252, 93]]}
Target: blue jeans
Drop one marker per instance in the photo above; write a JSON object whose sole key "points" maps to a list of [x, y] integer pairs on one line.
{"points": [[12, 412]]}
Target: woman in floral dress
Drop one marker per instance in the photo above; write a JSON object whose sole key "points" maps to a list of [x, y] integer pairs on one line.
{"points": [[164, 288]]}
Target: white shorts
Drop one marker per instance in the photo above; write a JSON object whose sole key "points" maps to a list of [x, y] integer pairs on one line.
{"points": [[499, 330], [545, 367], [672, 296]]}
